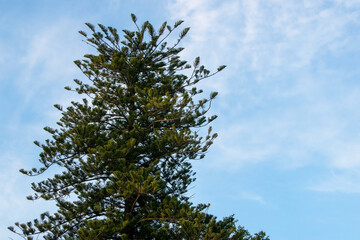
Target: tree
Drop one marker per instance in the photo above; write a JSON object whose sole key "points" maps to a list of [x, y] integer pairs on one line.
{"points": [[126, 148]]}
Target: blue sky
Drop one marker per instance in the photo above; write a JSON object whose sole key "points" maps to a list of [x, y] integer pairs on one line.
{"points": [[287, 159]]}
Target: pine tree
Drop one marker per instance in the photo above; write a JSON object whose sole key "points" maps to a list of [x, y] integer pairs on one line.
{"points": [[126, 149]]}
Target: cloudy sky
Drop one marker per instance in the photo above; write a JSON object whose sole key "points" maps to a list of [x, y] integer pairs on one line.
{"points": [[287, 160]]}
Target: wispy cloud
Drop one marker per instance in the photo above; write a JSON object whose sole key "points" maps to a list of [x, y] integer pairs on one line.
{"points": [[251, 197], [289, 97], [46, 63], [43, 66], [14, 189], [339, 181], [269, 36], [48, 60]]}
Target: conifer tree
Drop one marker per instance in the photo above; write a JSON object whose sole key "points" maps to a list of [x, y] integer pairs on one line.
{"points": [[125, 151]]}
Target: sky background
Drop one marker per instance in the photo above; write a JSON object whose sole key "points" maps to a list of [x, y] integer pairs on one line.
{"points": [[287, 159]]}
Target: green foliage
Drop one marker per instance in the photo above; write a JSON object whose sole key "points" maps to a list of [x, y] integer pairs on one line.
{"points": [[125, 150]]}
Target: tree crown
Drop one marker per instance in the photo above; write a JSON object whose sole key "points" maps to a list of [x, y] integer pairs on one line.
{"points": [[125, 149]]}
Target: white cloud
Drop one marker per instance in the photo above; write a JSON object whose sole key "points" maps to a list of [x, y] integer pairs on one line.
{"points": [[262, 36], [348, 3], [46, 68], [343, 181], [280, 97], [9, 178], [346, 155], [14, 189], [250, 196], [48, 61]]}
